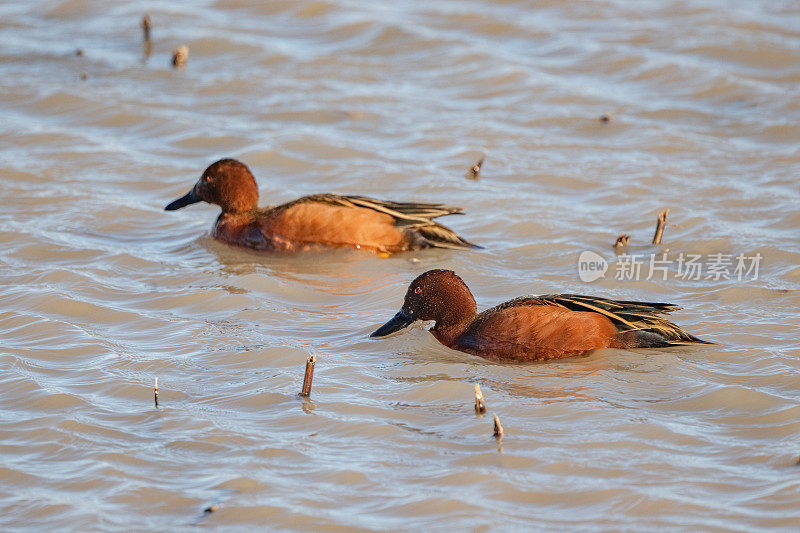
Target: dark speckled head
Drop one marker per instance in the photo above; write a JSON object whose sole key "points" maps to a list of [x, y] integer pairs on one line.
{"points": [[438, 295], [227, 183]]}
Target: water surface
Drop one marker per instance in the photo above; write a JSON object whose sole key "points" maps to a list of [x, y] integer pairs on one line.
{"points": [[102, 291]]}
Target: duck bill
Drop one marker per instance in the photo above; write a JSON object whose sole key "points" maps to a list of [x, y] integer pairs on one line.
{"points": [[183, 201], [399, 321]]}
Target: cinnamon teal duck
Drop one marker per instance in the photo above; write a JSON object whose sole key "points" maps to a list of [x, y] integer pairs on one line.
{"points": [[532, 328], [320, 220]]}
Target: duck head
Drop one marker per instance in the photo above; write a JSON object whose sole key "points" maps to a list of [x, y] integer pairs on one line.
{"points": [[438, 295], [227, 183]]}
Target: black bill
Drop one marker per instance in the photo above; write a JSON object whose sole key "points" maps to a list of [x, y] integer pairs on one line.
{"points": [[399, 321], [183, 201]]}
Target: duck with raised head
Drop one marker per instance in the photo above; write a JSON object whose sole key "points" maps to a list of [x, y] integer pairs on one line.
{"points": [[321, 220], [532, 328]]}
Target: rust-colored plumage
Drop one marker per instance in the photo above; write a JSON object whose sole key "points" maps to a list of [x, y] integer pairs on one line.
{"points": [[533, 328], [320, 220]]}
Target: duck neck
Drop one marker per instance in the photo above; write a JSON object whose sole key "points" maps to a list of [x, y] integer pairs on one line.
{"points": [[227, 222], [448, 332], [238, 215]]}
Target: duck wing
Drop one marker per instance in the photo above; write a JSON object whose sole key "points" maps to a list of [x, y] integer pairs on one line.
{"points": [[415, 216], [640, 318], [404, 211]]}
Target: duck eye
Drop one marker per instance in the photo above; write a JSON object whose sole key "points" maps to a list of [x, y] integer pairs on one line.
{"points": [[207, 179], [418, 290]]}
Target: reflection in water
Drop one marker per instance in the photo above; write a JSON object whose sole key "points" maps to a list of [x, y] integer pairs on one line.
{"points": [[307, 405], [334, 271]]}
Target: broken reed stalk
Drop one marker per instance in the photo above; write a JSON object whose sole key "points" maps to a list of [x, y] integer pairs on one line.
{"points": [[155, 392], [474, 171], [146, 25], [498, 429], [480, 407], [622, 241], [662, 221], [309, 376], [211, 508]]}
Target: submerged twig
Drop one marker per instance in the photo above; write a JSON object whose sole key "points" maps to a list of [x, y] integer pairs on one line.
{"points": [[474, 171], [146, 27], [662, 221], [480, 407], [309, 376], [623, 240], [498, 429], [179, 56]]}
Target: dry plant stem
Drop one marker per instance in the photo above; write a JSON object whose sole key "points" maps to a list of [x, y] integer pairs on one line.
{"points": [[309, 376], [211, 508], [480, 407], [155, 392], [622, 240], [662, 221], [146, 27], [474, 171], [498, 429]]}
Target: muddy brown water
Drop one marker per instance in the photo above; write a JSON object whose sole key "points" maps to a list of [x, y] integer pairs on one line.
{"points": [[102, 291]]}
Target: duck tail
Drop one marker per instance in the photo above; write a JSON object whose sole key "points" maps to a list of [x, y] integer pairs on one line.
{"points": [[435, 235], [659, 335]]}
